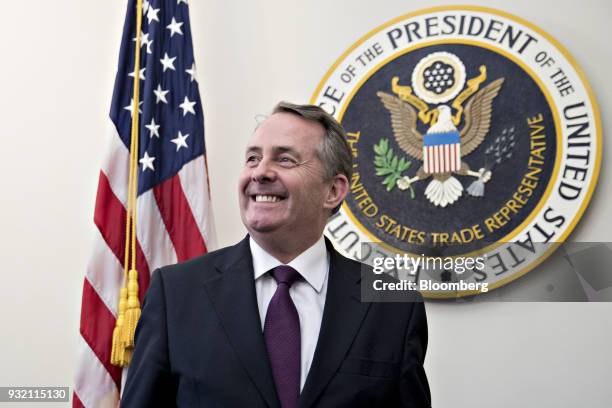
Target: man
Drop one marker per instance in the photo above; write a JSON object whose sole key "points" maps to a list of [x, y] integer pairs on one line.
{"points": [[276, 320]]}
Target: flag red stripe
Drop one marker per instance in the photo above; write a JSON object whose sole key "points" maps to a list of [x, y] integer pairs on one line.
{"points": [[110, 218], [97, 324], [76, 402], [179, 220]]}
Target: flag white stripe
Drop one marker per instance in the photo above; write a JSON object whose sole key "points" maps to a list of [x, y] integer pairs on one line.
{"points": [[447, 167], [93, 384], [152, 234], [105, 273], [116, 164], [432, 159], [437, 159], [198, 199], [458, 156]]}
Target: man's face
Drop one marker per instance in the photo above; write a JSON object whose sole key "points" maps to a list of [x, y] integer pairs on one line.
{"points": [[281, 186]]}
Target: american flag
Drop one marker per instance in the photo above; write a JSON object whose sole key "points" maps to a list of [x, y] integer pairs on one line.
{"points": [[441, 152], [174, 217]]}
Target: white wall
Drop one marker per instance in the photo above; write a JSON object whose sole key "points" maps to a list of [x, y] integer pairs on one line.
{"points": [[57, 67]]}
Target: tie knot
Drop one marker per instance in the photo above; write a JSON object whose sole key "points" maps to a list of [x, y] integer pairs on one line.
{"points": [[285, 274]]}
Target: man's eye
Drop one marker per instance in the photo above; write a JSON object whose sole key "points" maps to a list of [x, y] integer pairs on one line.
{"points": [[287, 161], [251, 160]]}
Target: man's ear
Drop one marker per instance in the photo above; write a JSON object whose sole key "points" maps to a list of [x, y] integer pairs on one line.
{"points": [[338, 190]]}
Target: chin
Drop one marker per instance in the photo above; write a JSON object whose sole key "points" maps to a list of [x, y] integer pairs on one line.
{"points": [[261, 226]]}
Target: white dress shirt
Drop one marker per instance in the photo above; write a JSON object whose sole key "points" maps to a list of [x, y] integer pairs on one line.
{"points": [[308, 294]]}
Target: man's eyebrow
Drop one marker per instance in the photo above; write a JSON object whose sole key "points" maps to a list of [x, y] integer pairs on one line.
{"points": [[286, 149], [276, 150], [253, 149]]}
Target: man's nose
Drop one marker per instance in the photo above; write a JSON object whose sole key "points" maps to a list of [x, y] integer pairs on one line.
{"points": [[264, 171]]}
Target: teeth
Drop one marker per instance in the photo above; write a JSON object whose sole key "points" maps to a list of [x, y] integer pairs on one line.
{"points": [[266, 198]]}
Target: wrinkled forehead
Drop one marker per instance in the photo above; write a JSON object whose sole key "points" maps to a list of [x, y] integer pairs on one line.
{"points": [[286, 131]]}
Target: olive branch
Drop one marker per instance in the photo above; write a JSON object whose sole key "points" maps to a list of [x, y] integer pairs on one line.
{"points": [[389, 165]]}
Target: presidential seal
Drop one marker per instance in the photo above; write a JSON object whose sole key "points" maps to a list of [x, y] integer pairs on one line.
{"points": [[473, 133]]}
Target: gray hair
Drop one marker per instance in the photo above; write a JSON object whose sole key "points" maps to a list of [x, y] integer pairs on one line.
{"points": [[334, 152]]}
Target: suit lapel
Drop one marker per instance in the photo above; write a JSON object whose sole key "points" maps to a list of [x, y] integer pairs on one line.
{"points": [[342, 318], [233, 295]]}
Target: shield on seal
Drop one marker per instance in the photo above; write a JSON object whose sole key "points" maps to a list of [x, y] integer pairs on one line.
{"points": [[441, 152]]}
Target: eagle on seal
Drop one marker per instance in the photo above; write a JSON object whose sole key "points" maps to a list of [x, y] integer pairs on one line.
{"points": [[440, 162]]}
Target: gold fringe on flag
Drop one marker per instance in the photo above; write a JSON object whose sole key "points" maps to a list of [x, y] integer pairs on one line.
{"points": [[129, 304]]}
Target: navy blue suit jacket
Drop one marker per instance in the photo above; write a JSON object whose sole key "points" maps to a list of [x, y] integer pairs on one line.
{"points": [[199, 342]]}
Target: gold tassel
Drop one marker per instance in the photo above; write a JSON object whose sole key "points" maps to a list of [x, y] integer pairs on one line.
{"points": [[133, 310], [127, 356], [118, 348]]}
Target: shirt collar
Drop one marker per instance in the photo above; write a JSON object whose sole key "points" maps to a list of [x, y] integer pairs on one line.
{"points": [[312, 264]]}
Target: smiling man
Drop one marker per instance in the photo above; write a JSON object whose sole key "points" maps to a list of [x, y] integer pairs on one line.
{"points": [[276, 320]]}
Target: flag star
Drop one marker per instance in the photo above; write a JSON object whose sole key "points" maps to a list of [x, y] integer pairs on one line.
{"points": [[167, 62], [145, 6], [175, 27], [149, 45], [130, 107], [141, 75], [192, 71], [152, 14], [160, 94], [147, 162], [180, 141], [153, 128], [144, 40], [187, 106], [182, 1]]}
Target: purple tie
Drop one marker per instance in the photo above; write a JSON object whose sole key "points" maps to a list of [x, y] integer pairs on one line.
{"points": [[282, 335]]}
